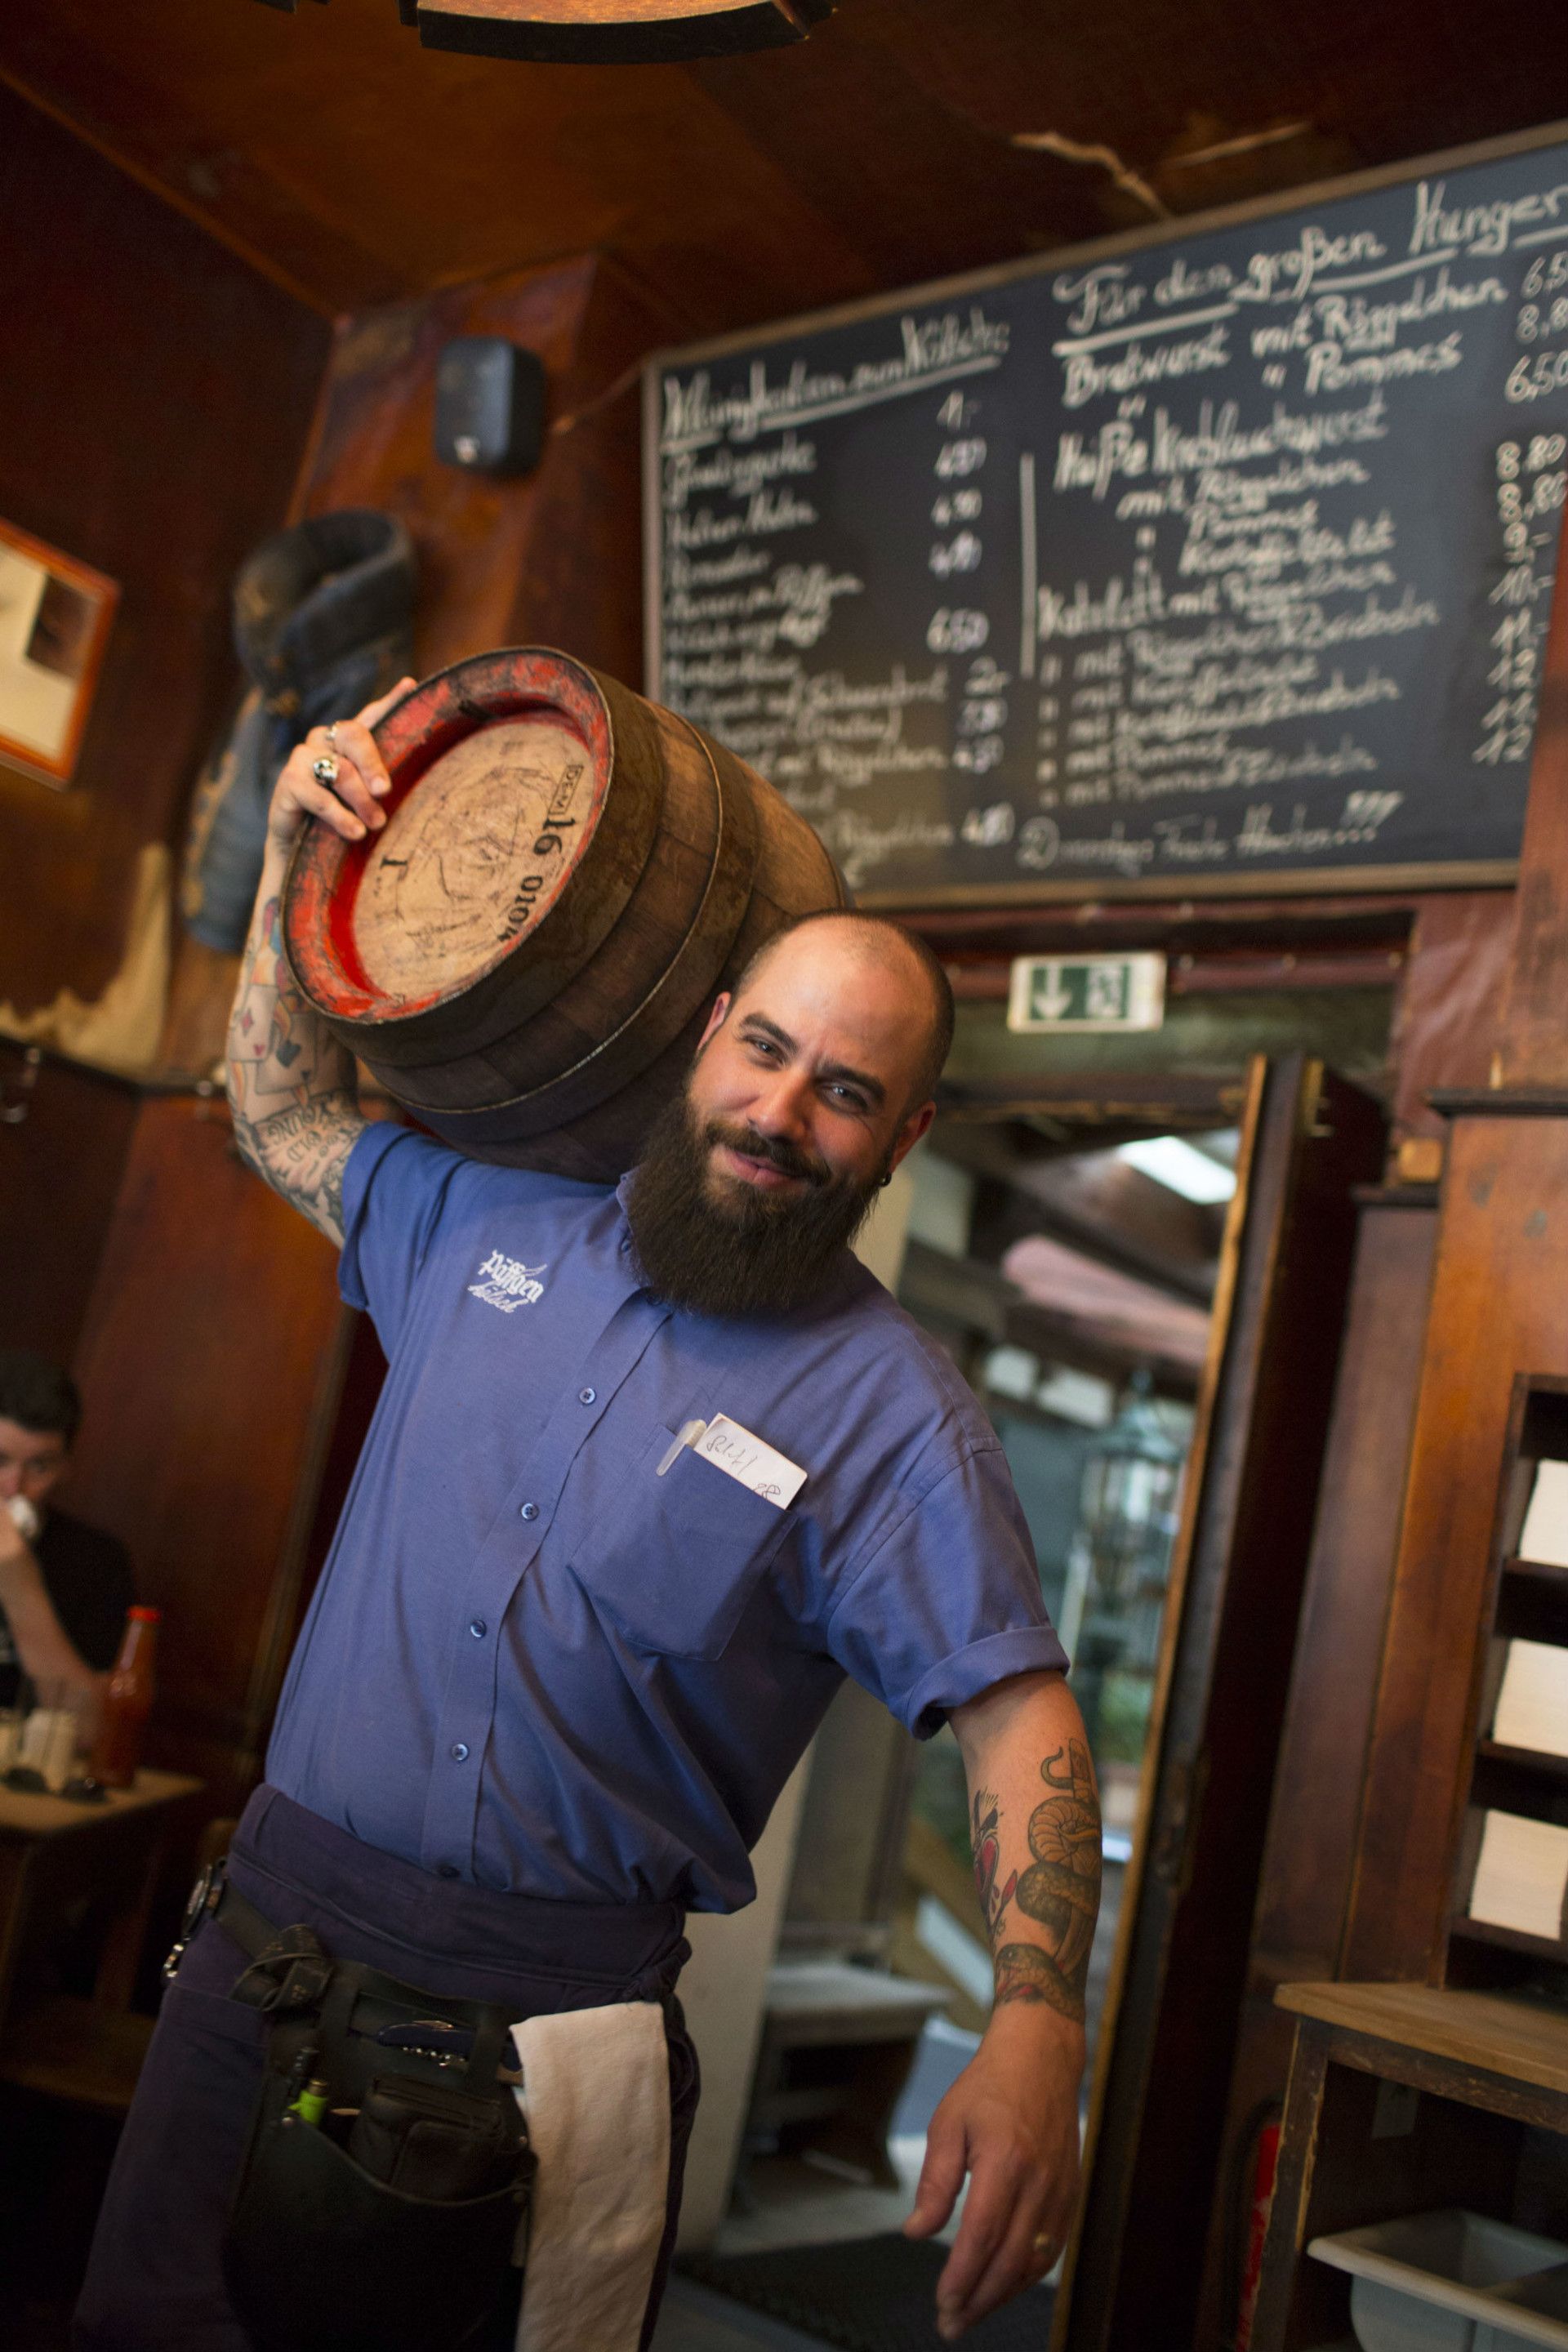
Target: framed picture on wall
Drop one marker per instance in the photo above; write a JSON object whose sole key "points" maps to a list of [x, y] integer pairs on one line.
{"points": [[55, 618]]}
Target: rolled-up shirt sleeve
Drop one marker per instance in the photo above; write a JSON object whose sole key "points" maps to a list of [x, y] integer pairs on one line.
{"points": [[947, 1600], [394, 1187]]}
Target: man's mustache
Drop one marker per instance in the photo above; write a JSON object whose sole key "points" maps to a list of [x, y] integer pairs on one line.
{"points": [[772, 1149]]}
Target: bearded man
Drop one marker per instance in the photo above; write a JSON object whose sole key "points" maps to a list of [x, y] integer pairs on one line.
{"points": [[560, 1663]]}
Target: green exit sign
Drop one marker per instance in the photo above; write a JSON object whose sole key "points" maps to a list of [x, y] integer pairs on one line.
{"points": [[1087, 992]]}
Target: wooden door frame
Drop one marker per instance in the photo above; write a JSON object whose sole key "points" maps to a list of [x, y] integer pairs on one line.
{"points": [[1257, 1445]]}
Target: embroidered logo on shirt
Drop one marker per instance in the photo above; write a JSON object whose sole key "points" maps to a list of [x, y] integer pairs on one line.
{"points": [[507, 1283]]}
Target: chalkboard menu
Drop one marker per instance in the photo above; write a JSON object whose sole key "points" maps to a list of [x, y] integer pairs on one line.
{"points": [[1215, 560]]}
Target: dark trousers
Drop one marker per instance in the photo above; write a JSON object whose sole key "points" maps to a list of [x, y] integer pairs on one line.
{"points": [[154, 2280]]}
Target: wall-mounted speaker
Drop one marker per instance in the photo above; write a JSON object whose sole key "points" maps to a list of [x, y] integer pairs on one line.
{"points": [[490, 405]]}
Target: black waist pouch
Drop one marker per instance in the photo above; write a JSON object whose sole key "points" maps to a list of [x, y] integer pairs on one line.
{"points": [[390, 2225]]}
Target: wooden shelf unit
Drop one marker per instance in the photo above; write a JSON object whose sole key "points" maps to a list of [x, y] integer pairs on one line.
{"points": [[1491, 2072], [1526, 1600]]}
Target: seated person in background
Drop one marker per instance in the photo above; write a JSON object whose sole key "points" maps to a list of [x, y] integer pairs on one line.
{"points": [[64, 1587]]}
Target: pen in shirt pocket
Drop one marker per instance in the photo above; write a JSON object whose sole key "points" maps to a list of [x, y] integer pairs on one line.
{"points": [[754, 1464]]}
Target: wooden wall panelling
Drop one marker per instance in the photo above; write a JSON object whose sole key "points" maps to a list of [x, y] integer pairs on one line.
{"points": [[581, 585], [154, 401], [211, 1368], [553, 557], [1501, 1276], [1304, 1880], [364, 1370], [64, 1135], [1161, 2094], [553, 554], [1450, 1001]]}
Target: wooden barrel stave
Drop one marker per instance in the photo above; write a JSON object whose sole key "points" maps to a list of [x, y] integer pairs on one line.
{"points": [[795, 873], [794, 877], [560, 1052], [682, 991], [560, 1035], [635, 953]]}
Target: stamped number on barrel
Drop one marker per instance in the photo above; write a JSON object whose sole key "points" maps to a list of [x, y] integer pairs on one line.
{"points": [[473, 857]]}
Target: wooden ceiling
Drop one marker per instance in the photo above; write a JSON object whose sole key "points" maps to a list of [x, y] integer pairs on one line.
{"points": [[355, 167]]}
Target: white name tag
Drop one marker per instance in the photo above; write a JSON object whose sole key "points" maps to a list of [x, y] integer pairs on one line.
{"points": [[741, 1456]]}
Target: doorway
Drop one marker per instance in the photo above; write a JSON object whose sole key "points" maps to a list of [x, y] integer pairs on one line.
{"points": [[1068, 1271]]}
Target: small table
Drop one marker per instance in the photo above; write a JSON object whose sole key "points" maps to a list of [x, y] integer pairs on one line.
{"points": [[1402, 2099], [52, 1851]]}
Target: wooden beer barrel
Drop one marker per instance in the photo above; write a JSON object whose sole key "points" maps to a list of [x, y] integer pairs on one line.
{"points": [[526, 953]]}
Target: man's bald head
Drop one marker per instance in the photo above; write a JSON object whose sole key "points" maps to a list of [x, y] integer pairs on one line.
{"points": [[892, 948]]}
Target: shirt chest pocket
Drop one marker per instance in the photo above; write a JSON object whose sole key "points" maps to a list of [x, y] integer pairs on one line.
{"points": [[684, 1555]]}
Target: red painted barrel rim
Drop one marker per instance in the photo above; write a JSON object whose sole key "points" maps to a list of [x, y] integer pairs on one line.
{"points": [[325, 872]]}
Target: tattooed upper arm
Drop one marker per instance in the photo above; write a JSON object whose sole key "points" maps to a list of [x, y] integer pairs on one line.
{"points": [[302, 1153], [290, 1084]]}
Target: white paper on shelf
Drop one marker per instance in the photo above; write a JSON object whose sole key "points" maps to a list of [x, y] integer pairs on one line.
{"points": [[1522, 1875], [1532, 1703], [1544, 1535]]}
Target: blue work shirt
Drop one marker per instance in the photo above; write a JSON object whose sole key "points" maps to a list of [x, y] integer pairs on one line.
{"points": [[536, 1664]]}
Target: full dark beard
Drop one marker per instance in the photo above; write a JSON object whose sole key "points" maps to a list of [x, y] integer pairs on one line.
{"points": [[744, 1251]]}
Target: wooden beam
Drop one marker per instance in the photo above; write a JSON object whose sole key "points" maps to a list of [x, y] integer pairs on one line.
{"points": [[1111, 1211], [1230, 971], [1205, 929], [967, 1296], [1128, 1102]]}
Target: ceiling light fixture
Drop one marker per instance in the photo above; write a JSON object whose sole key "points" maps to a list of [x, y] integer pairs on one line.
{"points": [[607, 32]]}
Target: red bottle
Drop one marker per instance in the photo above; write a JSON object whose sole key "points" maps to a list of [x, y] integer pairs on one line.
{"points": [[127, 1703]]}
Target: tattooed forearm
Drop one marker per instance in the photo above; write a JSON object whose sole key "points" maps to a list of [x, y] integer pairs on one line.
{"points": [[1027, 1973], [985, 1816], [290, 1084], [1060, 1890]]}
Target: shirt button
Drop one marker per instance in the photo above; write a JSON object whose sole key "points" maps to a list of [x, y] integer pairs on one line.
{"points": [[529, 1511], [479, 1629], [587, 1396], [445, 1870], [460, 1751]]}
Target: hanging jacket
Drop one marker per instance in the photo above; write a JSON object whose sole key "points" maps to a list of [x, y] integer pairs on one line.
{"points": [[323, 620]]}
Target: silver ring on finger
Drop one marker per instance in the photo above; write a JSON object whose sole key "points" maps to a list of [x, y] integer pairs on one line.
{"points": [[325, 769]]}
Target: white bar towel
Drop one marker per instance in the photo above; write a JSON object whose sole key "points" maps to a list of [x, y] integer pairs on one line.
{"points": [[595, 2096]]}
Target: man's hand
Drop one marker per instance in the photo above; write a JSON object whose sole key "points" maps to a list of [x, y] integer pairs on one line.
{"points": [[1010, 2122], [14, 1546], [351, 805], [50, 1657]]}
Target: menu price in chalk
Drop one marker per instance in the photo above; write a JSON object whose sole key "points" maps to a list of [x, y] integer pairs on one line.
{"points": [[1214, 563]]}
